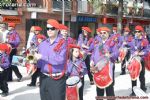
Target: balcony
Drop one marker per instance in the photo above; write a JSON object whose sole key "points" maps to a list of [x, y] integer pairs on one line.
{"points": [[8, 7], [102, 8], [147, 13], [36, 5], [57, 6], [82, 6]]}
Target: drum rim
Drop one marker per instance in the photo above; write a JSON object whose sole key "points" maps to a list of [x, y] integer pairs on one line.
{"points": [[74, 83]]}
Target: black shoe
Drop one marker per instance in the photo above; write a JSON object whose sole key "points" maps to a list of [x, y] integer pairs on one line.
{"points": [[91, 83], [122, 73], [144, 89], [31, 84], [19, 79], [132, 94], [4, 94]]}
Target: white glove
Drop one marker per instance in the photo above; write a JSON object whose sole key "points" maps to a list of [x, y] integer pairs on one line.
{"points": [[38, 56], [1, 69], [91, 63]]}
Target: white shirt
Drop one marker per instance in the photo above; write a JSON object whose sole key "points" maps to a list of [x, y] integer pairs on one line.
{"points": [[31, 34], [3, 36]]}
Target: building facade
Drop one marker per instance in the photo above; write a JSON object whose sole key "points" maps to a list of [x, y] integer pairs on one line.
{"points": [[78, 13]]}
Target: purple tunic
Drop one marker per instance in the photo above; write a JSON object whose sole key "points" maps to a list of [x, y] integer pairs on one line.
{"points": [[13, 38], [137, 46], [85, 41], [101, 49], [49, 56], [4, 61], [77, 68]]}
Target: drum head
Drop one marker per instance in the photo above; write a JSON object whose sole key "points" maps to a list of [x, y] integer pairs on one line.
{"points": [[73, 80]]}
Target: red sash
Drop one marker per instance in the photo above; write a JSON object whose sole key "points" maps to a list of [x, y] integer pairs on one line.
{"points": [[134, 69], [122, 54], [147, 61], [57, 48], [72, 93], [103, 79]]}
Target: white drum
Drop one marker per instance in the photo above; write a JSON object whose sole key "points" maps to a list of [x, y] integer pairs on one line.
{"points": [[74, 81]]}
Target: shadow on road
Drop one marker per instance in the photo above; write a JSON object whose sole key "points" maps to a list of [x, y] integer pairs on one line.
{"points": [[21, 89], [125, 92], [87, 86], [29, 96], [148, 88]]}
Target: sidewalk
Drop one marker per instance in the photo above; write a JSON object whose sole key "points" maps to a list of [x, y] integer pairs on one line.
{"points": [[20, 91]]}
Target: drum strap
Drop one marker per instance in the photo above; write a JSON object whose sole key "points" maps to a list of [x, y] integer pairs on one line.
{"points": [[78, 68], [50, 72]]}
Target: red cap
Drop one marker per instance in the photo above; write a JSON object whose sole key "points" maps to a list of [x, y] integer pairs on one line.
{"points": [[126, 29], [98, 29], [63, 27], [73, 46], [114, 28], [140, 28], [105, 29], [87, 29], [11, 25], [40, 36], [37, 28], [53, 23], [5, 48]]}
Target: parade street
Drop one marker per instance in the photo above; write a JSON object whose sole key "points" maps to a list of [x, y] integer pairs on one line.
{"points": [[20, 90]]}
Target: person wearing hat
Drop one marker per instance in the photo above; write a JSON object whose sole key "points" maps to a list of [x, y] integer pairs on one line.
{"points": [[37, 30], [52, 61], [31, 34], [13, 39], [40, 38], [126, 41], [76, 66], [114, 30], [139, 48], [97, 38], [104, 52], [3, 33], [4, 65], [65, 34], [83, 42]]}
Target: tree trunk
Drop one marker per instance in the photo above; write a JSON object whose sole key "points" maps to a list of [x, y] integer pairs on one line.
{"points": [[120, 15]]}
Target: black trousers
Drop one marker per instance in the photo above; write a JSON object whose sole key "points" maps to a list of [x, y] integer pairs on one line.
{"points": [[141, 78], [35, 76], [3, 81], [13, 67], [81, 89], [123, 67], [109, 91], [51, 89], [87, 62]]}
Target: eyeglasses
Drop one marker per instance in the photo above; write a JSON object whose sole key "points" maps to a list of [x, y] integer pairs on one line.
{"points": [[137, 31], [51, 28]]}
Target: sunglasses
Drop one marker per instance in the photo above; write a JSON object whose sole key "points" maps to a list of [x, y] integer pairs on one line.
{"points": [[51, 28], [103, 32], [137, 31]]}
